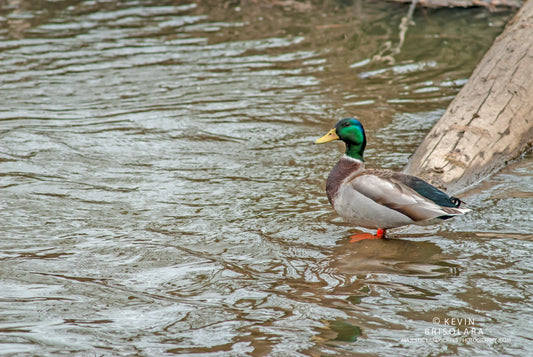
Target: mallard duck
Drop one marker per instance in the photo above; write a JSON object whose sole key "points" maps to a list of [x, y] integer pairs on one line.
{"points": [[380, 199]]}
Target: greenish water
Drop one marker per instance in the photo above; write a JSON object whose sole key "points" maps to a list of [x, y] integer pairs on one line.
{"points": [[160, 192]]}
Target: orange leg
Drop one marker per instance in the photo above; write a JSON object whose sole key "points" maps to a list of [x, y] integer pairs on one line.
{"points": [[380, 234]]}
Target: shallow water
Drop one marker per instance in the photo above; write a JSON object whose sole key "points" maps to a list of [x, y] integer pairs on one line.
{"points": [[161, 193]]}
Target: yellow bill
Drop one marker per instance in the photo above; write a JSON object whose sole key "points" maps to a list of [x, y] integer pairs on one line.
{"points": [[330, 136]]}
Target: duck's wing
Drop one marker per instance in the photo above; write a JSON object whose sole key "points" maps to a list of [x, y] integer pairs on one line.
{"points": [[388, 189], [427, 190]]}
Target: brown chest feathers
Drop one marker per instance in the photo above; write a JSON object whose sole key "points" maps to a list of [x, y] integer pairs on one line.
{"points": [[343, 169]]}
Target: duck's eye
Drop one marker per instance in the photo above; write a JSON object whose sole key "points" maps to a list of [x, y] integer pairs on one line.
{"points": [[347, 124]]}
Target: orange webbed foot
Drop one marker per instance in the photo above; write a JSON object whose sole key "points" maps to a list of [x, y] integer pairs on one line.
{"points": [[380, 234]]}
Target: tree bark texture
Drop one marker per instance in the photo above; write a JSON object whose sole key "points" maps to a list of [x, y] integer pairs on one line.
{"points": [[491, 4], [490, 121]]}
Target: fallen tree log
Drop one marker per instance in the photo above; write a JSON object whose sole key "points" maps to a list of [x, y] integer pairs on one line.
{"points": [[491, 4], [490, 121]]}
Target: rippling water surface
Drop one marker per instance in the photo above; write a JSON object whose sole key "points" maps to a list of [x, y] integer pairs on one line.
{"points": [[161, 193]]}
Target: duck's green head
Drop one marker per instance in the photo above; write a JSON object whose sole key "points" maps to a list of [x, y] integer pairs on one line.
{"points": [[349, 130]]}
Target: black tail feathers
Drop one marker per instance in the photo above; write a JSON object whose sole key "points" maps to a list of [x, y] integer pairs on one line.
{"points": [[456, 202]]}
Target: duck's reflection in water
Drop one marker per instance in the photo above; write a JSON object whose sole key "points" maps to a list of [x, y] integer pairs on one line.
{"points": [[397, 256], [370, 276]]}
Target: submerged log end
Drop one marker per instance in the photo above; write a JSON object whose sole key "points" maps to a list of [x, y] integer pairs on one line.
{"points": [[490, 122]]}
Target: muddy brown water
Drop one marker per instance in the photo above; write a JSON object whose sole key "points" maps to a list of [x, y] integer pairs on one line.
{"points": [[160, 192]]}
